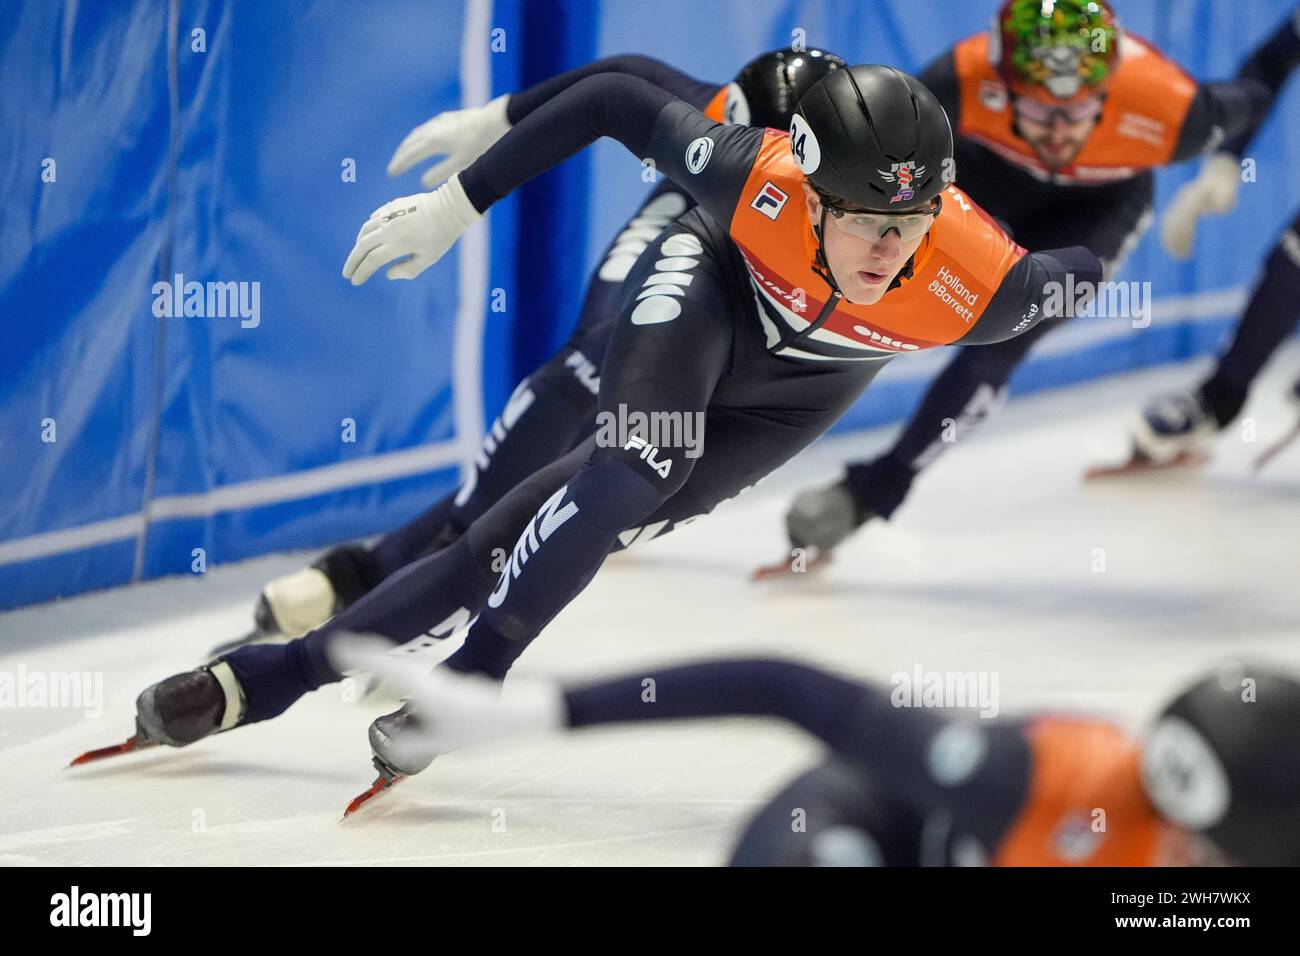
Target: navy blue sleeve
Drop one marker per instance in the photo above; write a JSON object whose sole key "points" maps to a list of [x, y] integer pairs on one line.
{"points": [[1270, 65], [709, 160], [1226, 115], [1021, 300], [977, 769], [686, 88], [1221, 112]]}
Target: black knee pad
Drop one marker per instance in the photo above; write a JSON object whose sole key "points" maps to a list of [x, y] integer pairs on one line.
{"points": [[616, 490]]}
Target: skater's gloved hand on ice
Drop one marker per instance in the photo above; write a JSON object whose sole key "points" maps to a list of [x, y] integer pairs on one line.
{"points": [[461, 135], [1212, 192], [418, 230], [821, 517], [455, 710]]}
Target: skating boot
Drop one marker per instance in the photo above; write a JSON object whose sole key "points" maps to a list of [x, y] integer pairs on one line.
{"points": [[180, 710]]}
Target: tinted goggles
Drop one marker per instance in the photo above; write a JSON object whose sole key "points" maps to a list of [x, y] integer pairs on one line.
{"points": [[1038, 112], [872, 226]]}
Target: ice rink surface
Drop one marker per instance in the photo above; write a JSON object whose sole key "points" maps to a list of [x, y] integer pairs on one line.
{"points": [[991, 566]]}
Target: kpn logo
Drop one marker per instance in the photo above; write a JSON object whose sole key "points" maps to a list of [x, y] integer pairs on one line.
{"points": [[76, 909]]}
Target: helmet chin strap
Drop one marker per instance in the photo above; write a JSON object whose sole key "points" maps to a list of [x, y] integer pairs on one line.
{"points": [[821, 265]]}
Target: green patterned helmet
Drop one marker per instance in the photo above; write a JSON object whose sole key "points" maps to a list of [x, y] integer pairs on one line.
{"points": [[1056, 51]]}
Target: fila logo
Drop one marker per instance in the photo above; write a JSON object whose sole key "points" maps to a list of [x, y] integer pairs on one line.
{"points": [[648, 453], [541, 527], [584, 370], [769, 201]]}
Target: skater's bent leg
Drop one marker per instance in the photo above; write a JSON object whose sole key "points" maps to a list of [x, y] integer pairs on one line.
{"points": [[435, 595], [546, 416], [443, 590], [413, 540], [1270, 316], [561, 549]]}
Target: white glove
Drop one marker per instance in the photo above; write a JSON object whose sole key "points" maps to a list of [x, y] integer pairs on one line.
{"points": [[456, 710], [423, 227], [462, 135], [1213, 191]]}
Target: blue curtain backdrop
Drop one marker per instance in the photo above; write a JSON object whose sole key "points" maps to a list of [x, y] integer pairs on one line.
{"points": [[226, 164], [137, 149]]}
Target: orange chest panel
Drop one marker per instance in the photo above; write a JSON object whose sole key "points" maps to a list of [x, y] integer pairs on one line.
{"points": [[1147, 101], [956, 270], [1086, 806]]}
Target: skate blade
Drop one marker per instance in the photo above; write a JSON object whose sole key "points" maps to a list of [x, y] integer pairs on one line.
{"points": [[138, 742], [1275, 449], [786, 568], [1141, 465], [386, 780]]}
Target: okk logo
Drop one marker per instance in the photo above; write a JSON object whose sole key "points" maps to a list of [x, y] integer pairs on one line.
{"points": [[543, 525]]}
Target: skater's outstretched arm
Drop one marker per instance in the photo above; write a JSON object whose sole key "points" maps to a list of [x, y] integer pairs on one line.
{"points": [[1214, 190], [686, 88], [1270, 65], [1226, 115], [977, 769], [462, 136], [651, 123]]}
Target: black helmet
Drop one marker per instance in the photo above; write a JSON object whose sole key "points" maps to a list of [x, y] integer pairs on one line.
{"points": [[873, 138], [768, 88], [1224, 759]]}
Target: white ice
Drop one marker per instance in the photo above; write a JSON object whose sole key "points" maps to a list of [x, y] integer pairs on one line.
{"points": [[989, 567]]}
